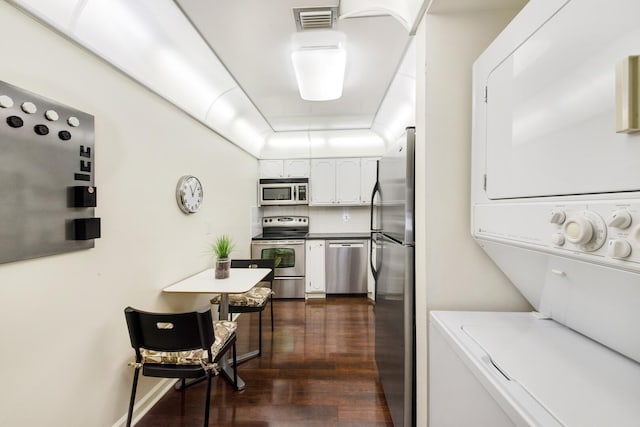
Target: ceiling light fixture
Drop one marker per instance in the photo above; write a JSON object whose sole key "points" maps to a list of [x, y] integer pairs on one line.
{"points": [[319, 61]]}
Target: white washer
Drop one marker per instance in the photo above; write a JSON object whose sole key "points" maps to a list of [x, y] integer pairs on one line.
{"points": [[556, 205], [515, 369]]}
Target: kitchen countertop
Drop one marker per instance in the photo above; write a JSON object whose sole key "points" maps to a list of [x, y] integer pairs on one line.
{"points": [[338, 236], [320, 236]]}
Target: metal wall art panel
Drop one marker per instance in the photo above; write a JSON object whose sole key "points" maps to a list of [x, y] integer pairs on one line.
{"points": [[47, 167]]}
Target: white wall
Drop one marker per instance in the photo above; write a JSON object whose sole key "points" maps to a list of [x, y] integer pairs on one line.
{"points": [[65, 345], [452, 272]]}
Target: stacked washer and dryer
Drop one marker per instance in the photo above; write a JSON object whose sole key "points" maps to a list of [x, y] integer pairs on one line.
{"points": [[556, 205]]}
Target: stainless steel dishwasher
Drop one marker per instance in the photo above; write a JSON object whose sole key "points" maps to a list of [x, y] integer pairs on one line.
{"points": [[346, 266]]}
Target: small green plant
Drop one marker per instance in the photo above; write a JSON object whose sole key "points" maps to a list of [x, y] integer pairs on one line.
{"points": [[223, 246]]}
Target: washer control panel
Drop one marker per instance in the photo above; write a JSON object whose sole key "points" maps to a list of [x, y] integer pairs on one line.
{"points": [[606, 231]]}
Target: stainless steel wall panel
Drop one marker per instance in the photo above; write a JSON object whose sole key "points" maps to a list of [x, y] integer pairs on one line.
{"points": [[46, 149]]}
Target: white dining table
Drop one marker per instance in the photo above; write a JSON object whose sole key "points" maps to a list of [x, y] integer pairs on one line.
{"points": [[240, 280]]}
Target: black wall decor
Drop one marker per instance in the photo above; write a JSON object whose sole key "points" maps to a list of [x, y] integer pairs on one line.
{"points": [[47, 187]]}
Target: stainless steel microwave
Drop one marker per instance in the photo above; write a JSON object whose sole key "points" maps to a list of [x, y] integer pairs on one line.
{"points": [[283, 191]]}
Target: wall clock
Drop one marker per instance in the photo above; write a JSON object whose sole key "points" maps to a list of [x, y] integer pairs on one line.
{"points": [[189, 194]]}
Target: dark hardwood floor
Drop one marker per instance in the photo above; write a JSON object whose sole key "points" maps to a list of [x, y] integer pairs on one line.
{"points": [[317, 369]]}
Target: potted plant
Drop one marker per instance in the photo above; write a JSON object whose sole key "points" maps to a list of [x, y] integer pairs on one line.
{"points": [[222, 248]]}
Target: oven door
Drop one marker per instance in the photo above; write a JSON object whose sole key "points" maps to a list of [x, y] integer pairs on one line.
{"points": [[288, 255]]}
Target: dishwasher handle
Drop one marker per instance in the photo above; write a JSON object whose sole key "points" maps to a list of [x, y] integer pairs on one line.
{"points": [[346, 245]]}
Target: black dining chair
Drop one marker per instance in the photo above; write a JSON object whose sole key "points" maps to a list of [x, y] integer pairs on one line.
{"points": [[179, 345], [254, 300]]}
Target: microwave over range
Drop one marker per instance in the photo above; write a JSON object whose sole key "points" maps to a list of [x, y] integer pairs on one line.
{"points": [[283, 191]]}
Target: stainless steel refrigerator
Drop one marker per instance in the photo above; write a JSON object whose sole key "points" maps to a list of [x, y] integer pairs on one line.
{"points": [[392, 263]]}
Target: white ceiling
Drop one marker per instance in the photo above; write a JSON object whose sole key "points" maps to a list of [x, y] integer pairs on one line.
{"points": [[252, 38], [453, 6], [227, 64]]}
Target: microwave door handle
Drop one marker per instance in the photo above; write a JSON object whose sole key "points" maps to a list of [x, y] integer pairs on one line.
{"points": [[295, 192]]}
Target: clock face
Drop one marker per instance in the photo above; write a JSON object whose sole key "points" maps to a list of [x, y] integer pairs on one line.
{"points": [[189, 194]]}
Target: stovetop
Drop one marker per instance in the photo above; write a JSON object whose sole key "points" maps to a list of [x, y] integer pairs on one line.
{"points": [[284, 227], [280, 237]]}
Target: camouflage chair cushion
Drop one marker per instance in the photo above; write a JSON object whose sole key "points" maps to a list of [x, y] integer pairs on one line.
{"points": [[255, 297], [223, 329]]}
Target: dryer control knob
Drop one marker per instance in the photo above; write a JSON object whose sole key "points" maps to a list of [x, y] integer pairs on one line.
{"points": [[557, 239], [557, 217], [619, 219], [619, 248], [578, 230]]}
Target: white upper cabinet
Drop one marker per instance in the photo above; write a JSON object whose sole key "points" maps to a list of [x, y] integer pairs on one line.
{"points": [[348, 181], [271, 168], [323, 182], [296, 168], [289, 168], [345, 182]]}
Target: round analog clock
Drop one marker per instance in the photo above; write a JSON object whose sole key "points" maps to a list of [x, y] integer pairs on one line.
{"points": [[189, 194]]}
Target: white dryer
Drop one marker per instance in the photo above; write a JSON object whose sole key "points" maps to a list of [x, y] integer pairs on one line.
{"points": [[556, 205]]}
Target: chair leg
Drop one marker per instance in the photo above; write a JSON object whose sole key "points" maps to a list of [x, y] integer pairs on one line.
{"points": [[133, 396], [271, 304], [208, 399], [235, 366], [260, 333]]}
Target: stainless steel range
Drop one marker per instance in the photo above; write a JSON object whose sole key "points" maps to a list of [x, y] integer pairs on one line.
{"points": [[282, 239]]}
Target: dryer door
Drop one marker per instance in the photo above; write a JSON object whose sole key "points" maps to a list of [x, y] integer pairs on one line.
{"points": [[551, 127]]}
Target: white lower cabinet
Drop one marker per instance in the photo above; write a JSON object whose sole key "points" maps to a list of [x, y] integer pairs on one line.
{"points": [[314, 268]]}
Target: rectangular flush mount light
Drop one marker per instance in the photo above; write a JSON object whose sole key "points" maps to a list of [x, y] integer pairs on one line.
{"points": [[319, 59], [320, 72]]}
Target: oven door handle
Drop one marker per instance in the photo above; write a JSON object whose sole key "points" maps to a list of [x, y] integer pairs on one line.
{"points": [[277, 242]]}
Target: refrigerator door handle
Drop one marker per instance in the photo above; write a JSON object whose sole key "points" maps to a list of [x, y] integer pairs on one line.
{"points": [[374, 272], [376, 189]]}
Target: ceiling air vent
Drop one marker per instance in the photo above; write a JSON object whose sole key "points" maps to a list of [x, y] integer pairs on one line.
{"points": [[315, 18]]}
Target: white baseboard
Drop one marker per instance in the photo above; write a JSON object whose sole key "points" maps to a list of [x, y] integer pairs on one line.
{"points": [[143, 405], [315, 296]]}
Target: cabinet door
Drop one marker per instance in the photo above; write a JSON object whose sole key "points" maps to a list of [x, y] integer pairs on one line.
{"points": [[271, 168], [296, 168], [323, 182], [368, 170], [314, 273], [348, 181]]}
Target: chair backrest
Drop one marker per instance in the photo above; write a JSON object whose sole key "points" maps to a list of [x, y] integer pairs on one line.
{"points": [[256, 263], [170, 331]]}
